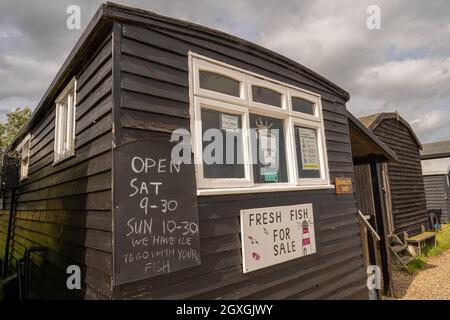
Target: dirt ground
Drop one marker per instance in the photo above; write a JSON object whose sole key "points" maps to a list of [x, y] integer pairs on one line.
{"points": [[433, 283]]}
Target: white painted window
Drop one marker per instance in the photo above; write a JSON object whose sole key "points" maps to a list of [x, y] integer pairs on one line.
{"points": [[230, 100], [65, 123], [23, 150]]}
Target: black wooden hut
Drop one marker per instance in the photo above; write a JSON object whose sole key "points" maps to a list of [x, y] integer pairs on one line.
{"points": [[101, 137], [405, 190], [436, 173]]}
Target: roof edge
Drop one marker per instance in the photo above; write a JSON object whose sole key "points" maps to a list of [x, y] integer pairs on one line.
{"points": [[389, 153], [393, 115], [60, 76], [111, 7], [106, 12]]}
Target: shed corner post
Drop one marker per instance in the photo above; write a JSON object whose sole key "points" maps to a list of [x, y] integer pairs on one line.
{"points": [[116, 139], [381, 223]]}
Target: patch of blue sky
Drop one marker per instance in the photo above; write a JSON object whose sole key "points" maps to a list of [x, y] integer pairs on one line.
{"points": [[395, 54]]}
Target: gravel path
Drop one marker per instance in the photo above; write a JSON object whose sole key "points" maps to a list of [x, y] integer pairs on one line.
{"points": [[433, 283]]}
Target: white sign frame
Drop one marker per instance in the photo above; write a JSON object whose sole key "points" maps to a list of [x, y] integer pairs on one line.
{"points": [[274, 235]]}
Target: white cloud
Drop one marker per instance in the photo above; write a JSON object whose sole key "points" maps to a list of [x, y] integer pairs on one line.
{"points": [[405, 66]]}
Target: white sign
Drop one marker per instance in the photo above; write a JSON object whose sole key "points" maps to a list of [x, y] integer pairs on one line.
{"points": [[309, 149], [229, 122], [275, 235]]}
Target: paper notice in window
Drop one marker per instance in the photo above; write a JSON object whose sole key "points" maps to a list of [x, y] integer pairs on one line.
{"points": [[229, 122], [309, 149]]}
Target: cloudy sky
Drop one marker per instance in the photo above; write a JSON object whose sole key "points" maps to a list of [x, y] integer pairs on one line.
{"points": [[403, 66]]}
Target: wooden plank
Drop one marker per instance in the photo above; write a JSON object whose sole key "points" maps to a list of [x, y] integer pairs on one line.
{"points": [[153, 70], [153, 122], [154, 54], [143, 102], [96, 79], [103, 55], [151, 87]]}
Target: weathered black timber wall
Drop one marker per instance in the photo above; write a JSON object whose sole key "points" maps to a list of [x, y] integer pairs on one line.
{"points": [[364, 191], [405, 177], [155, 100], [437, 192], [66, 207]]}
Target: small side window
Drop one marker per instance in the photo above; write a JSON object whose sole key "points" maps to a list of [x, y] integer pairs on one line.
{"points": [[267, 96], [65, 123], [219, 83], [24, 155], [303, 106]]}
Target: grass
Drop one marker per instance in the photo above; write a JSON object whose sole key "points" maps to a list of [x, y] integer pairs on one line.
{"points": [[417, 264], [443, 244]]}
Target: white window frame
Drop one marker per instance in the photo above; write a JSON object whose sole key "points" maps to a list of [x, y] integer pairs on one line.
{"points": [[202, 65], [318, 127], [253, 81], [202, 98], [24, 157], [292, 93], [65, 149], [209, 104]]}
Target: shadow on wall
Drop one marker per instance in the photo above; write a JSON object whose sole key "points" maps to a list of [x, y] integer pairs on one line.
{"points": [[58, 209]]}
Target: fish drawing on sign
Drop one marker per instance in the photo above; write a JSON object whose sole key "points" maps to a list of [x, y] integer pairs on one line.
{"points": [[256, 256], [253, 240], [306, 241]]}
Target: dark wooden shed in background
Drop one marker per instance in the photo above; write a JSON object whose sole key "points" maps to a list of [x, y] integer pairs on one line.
{"points": [[406, 190], [436, 171]]}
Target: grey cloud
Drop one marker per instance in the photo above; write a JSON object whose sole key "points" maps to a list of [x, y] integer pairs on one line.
{"points": [[405, 66]]}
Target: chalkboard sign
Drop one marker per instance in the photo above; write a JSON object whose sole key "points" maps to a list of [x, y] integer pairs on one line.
{"points": [[156, 227]]}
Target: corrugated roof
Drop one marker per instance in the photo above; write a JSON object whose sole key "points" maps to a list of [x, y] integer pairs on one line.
{"points": [[440, 149], [436, 167]]}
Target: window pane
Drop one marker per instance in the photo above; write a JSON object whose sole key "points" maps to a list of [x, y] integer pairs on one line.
{"points": [[307, 152], [219, 83], [62, 129], [25, 149], [227, 151], [302, 105], [266, 96], [268, 149]]}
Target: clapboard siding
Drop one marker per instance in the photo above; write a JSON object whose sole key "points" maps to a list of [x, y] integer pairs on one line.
{"points": [[364, 191], [405, 177], [66, 207], [437, 193], [155, 100]]}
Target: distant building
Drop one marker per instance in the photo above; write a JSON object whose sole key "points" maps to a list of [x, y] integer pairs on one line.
{"points": [[436, 167], [406, 187]]}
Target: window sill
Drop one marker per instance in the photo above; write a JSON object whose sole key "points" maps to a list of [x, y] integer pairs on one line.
{"points": [[260, 189]]}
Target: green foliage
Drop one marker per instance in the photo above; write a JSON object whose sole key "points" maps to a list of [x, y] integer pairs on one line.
{"points": [[417, 264], [443, 242], [14, 122]]}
